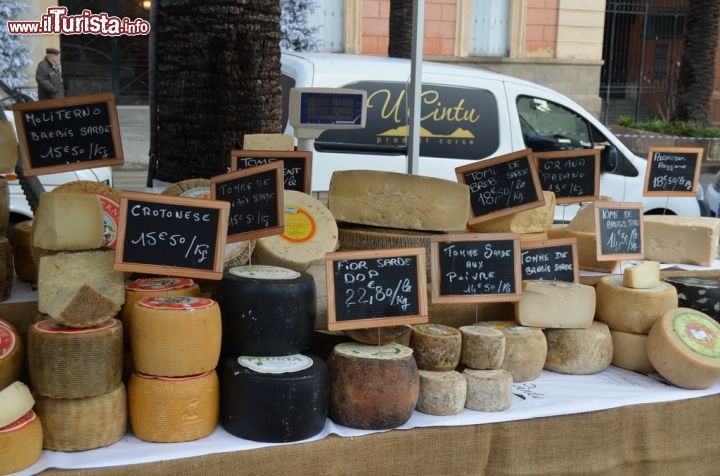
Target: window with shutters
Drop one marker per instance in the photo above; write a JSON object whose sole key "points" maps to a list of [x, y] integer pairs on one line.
{"points": [[489, 23], [330, 17]]}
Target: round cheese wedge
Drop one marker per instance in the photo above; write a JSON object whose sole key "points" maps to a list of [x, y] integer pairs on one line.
{"points": [[684, 347], [15, 401]]}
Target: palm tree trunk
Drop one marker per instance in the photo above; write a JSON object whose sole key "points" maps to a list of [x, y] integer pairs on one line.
{"points": [[218, 78], [697, 70]]}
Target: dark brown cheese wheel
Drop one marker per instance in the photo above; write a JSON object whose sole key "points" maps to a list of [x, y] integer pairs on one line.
{"points": [[436, 347], [372, 387], [76, 424], [67, 362], [380, 335]]}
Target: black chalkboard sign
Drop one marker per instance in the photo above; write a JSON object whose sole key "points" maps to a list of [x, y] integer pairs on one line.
{"points": [[297, 165], [552, 260], [572, 175], [502, 185], [619, 230], [673, 171], [256, 201], [376, 288], [173, 236], [60, 135], [475, 267]]}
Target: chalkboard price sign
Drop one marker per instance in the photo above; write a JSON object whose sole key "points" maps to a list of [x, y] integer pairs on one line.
{"points": [[673, 171], [572, 175], [297, 165], [173, 236], [376, 288], [552, 260], [256, 201], [475, 267], [60, 135], [620, 231], [501, 185]]}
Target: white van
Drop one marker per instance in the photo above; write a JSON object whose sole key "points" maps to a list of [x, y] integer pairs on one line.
{"points": [[468, 114]]}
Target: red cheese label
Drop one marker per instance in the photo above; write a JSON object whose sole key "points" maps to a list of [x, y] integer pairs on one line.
{"points": [[174, 379], [7, 340], [159, 284], [54, 327], [24, 420], [179, 303], [111, 212]]}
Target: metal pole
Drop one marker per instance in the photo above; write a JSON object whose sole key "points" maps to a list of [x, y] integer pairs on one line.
{"points": [[418, 34], [152, 94]]}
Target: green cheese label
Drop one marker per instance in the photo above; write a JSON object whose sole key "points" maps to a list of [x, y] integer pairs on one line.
{"points": [[698, 333]]}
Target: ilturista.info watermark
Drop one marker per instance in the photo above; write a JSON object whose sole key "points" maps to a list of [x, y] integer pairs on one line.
{"points": [[57, 22]]}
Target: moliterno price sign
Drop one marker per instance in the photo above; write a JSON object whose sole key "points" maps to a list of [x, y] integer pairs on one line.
{"points": [[297, 165], [620, 231], [501, 185], [60, 135], [376, 288], [572, 175], [673, 171], [171, 236], [475, 267]]}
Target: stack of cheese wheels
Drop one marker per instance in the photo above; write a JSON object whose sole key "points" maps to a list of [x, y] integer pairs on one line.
{"points": [[309, 232], [274, 399], [630, 304], [75, 352], [174, 392], [266, 310], [565, 311], [372, 387], [525, 349], [489, 386], [21, 434], [684, 347], [701, 294], [437, 349]]}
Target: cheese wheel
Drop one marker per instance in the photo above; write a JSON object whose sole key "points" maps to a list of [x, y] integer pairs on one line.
{"points": [[173, 409], [62, 274], [525, 350], [266, 310], [76, 424], [20, 443], [310, 232], [555, 304], [684, 347], [274, 399], [68, 221], [25, 255], [643, 275], [381, 335], [142, 288], [7, 270], [109, 204], [488, 390], [441, 393], [629, 309], [11, 354], [372, 387], [483, 348], [15, 401], [396, 200], [701, 294], [176, 336], [629, 352], [534, 220], [436, 347], [66, 362], [579, 351]]}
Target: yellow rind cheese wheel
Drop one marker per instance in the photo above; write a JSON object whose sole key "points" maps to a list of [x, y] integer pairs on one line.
{"points": [[176, 336], [67, 362], [76, 424], [555, 304], [684, 347], [20, 443], [629, 309], [11, 354], [171, 410]]}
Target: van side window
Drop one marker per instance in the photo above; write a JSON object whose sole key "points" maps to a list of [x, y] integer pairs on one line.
{"points": [[547, 126]]}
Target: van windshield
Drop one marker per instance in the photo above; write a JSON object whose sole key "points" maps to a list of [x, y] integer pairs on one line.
{"points": [[547, 126]]}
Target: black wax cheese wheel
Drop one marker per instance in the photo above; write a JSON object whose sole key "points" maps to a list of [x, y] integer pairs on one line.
{"points": [[701, 294], [274, 399], [266, 310]]}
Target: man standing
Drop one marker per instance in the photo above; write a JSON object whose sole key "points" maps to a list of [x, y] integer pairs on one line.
{"points": [[49, 76]]}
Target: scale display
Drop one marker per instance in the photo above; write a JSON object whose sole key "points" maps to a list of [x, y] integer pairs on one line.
{"points": [[327, 108]]}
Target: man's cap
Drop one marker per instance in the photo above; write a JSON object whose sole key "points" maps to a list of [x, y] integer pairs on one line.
{"points": [[52, 51]]}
